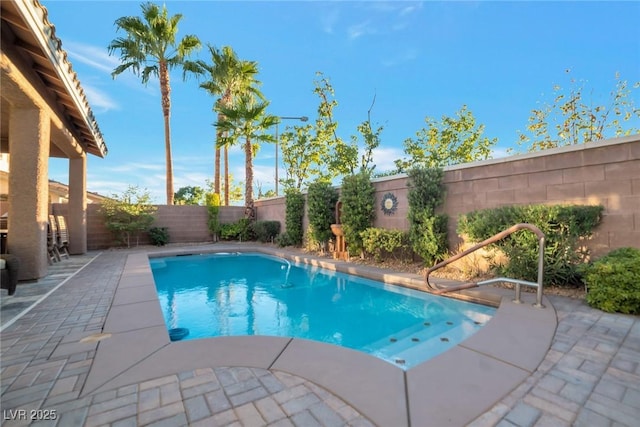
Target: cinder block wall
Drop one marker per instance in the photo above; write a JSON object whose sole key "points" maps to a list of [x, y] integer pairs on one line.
{"points": [[186, 224], [602, 172]]}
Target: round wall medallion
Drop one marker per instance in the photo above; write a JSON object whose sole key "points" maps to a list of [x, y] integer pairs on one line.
{"points": [[389, 204]]}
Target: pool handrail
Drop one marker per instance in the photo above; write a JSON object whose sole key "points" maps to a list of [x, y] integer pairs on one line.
{"points": [[517, 282]]}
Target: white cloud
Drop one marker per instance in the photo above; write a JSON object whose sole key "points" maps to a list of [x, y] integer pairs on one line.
{"points": [[498, 153], [328, 20], [93, 56], [412, 8], [384, 158], [358, 30], [99, 100], [406, 55], [136, 167]]}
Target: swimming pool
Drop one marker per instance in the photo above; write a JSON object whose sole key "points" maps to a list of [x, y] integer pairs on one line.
{"points": [[253, 294]]}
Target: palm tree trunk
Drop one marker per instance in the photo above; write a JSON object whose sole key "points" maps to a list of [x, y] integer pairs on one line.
{"points": [[165, 91], [248, 164], [227, 100], [216, 165], [227, 184]]}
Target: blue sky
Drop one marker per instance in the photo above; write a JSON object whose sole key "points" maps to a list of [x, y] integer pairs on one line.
{"points": [[419, 59]]}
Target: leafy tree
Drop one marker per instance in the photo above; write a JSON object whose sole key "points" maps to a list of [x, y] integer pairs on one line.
{"points": [[230, 77], [451, 141], [342, 156], [315, 151], [371, 142], [150, 49], [128, 214], [189, 195], [572, 119], [303, 156], [247, 119]]}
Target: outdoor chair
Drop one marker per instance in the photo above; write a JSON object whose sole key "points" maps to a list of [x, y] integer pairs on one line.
{"points": [[52, 241], [9, 266], [63, 236]]}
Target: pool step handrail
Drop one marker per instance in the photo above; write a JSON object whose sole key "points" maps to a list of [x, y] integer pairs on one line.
{"points": [[490, 240]]}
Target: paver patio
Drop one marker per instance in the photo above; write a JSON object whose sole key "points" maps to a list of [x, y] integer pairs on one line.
{"points": [[590, 375]]}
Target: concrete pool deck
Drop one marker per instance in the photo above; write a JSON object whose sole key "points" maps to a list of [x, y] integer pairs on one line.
{"points": [[96, 350]]}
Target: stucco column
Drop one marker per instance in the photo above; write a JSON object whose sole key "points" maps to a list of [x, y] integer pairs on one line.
{"points": [[29, 137], [77, 213]]}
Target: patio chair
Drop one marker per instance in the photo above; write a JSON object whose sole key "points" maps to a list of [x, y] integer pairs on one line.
{"points": [[9, 266], [52, 240], [63, 236]]}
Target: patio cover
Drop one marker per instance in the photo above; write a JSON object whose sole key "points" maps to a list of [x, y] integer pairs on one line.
{"points": [[44, 113]]}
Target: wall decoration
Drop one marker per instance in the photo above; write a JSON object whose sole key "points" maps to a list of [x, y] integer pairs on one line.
{"points": [[389, 204]]}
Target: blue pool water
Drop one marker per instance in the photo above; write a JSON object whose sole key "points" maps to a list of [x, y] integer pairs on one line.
{"points": [[253, 294]]}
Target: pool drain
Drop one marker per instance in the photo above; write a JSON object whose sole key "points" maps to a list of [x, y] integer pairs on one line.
{"points": [[444, 339], [176, 334]]}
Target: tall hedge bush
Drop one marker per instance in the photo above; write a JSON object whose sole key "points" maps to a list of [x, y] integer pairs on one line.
{"points": [[294, 214], [358, 209], [427, 230], [321, 203], [565, 228]]}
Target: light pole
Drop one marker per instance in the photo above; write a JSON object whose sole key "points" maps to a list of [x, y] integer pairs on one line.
{"points": [[302, 119]]}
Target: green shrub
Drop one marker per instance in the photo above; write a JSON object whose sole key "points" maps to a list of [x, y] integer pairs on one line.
{"points": [[283, 240], [266, 231], [241, 230], [613, 282], [381, 242], [358, 209], [321, 204], [565, 227], [159, 236], [229, 231], [294, 214], [427, 230]]}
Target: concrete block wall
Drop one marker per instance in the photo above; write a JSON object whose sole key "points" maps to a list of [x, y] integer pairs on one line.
{"points": [[186, 224], [602, 172]]}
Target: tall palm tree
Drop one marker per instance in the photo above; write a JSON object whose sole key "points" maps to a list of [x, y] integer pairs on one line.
{"points": [[247, 119], [230, 77], [150, 49]]}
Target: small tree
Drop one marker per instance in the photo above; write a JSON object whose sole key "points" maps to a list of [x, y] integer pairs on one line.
{"points": [[129, 214], [322, 198], [358, 209], [572, 119], [189, 196], [451, 141]]}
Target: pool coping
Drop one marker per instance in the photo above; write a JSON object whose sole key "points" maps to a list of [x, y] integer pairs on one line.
{"points": [[453, 388]]}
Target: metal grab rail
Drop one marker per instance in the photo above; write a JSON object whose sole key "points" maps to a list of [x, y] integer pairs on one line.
{"points": [[490, 240]]}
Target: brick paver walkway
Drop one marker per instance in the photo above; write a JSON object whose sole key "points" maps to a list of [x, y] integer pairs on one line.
{"points": [[43, 371], [590, 376]]}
